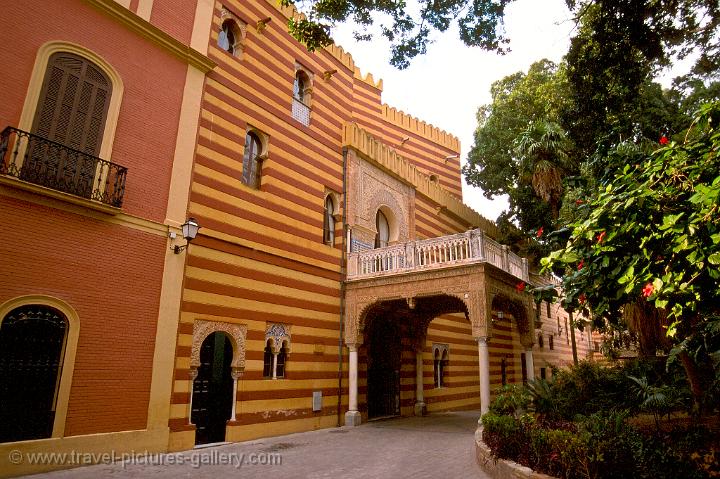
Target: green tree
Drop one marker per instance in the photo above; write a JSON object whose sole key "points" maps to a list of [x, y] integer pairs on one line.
{"points": [[653, 28], [651, 233], [619, 48], [542, 151], [514, 139]]}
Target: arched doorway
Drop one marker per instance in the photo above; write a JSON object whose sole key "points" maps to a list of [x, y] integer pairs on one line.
{"points": [[212, 389], [32, 344], [384, 350]]}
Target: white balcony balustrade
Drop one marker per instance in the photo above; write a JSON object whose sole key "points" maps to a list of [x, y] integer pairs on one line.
{"points": [[444, 252]]}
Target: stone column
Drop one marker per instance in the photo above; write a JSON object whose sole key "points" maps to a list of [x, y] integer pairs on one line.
{"points": [[352, 417], [274, 365], [529, 364], [484, 362], [193, 375], [420, 407], [236, 373]]}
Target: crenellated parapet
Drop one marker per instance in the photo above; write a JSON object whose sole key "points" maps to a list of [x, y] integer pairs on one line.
{"points": [[415, 125], [336, 51], [388, 159], [339, 53], [369, 79]]}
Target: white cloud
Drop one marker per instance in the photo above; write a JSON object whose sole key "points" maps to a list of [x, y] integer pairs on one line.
{"points": [[447, 85]]}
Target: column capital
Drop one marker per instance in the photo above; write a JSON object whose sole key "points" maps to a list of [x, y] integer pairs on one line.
{"points": [[352, 347], [482, 339]]}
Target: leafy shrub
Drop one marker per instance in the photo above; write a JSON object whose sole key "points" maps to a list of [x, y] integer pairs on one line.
{"points": [[600, 446], [510, 399], [503, 435]]}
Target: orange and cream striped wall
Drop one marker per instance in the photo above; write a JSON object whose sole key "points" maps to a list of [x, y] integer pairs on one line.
{"points": [[260, 257], [432, 150]]}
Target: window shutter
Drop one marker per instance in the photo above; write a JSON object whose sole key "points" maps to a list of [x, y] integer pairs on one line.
{"points": [[73, 103]]}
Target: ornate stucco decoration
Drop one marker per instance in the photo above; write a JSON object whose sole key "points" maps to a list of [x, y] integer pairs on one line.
{"points": [[202, 329], [440, 349], [371, 189], [279, 333]]}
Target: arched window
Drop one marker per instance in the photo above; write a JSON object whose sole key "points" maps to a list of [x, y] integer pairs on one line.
{"points": [[442, 369], [281, 361], [72, 109], [440, 361], [329, 221], [382, 237], [274, 360], [230, 38], [268, 360], [252, 160], [32, 346], [302, 95], [300, 86]]}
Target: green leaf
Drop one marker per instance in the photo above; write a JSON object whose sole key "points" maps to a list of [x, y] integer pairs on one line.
{"points": [[714, 258]]}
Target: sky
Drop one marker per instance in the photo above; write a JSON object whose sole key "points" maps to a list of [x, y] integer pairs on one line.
{"points": [[446, 86]]}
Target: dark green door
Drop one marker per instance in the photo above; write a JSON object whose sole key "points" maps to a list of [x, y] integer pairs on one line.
{"points": [[212, 389]]}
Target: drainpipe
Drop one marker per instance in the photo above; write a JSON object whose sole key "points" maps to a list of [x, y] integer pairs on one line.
{"points": [[343, 277]]}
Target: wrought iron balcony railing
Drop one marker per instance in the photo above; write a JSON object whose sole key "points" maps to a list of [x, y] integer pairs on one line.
{"points": [[34, 159], [443, 252]]}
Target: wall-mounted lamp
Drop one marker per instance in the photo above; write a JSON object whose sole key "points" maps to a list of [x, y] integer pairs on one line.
{"points": [[327, 74], [451, 157], [261, 24], [500, 315], [189, 231]]}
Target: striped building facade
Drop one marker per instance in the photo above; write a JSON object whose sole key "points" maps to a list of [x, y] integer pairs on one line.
{"points": [[337, 276], [296, 157]]}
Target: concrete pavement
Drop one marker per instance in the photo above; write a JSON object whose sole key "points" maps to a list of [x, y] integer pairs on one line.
{"points": [[440, 445]]}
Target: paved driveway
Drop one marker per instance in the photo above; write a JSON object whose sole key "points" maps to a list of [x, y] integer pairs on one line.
{"points": [[440, 446]]}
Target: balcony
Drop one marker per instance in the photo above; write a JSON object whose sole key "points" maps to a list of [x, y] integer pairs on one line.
{"points": [[301, 112], [445, 252], [39, 161]]}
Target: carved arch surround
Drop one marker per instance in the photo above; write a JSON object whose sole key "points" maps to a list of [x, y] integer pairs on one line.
{"points": [[371, 188], [399, 221], [475, 287], [237, 333]]}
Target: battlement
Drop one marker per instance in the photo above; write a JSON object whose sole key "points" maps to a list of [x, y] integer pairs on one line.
{"points": [[369, 79], [389, 159], [336, 51], [339, 53], [415, 125]]}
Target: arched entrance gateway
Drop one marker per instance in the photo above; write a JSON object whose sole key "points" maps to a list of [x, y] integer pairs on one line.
{"points": [[216, 363], [213, 389], [388, 312]]}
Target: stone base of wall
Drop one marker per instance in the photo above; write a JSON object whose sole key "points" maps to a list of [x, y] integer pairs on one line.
{"points": [[501, 468]]}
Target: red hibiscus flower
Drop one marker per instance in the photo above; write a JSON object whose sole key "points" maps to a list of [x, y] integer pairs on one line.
{"points": [[601, 237], [648, 290], [540, 231], [579, 202], [520, 286], [582, 298], [581, 264], [664, 140]]}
